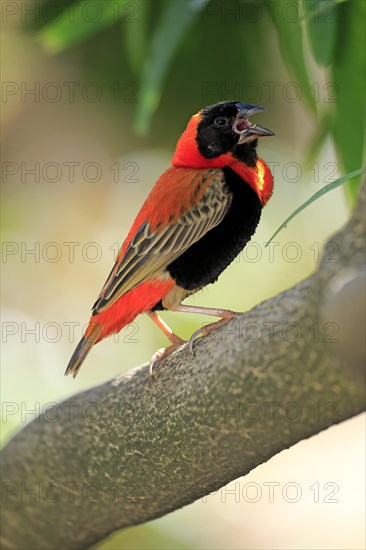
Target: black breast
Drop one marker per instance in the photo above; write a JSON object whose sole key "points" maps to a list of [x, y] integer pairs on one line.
{"points": [[206, 259]]}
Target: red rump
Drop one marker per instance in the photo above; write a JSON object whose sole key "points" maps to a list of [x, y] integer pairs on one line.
{"points": [[141, 298]]}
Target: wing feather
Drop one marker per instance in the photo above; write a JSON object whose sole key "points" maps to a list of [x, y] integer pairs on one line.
{"points": [[150, 252]]}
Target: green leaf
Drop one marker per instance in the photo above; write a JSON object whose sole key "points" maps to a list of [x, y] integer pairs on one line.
{"points": [[84, 20], [348, 74], [175, 20], [290, 37], [324, 6], [322, 18], [135, 36], [316, 196], [322, 132]]}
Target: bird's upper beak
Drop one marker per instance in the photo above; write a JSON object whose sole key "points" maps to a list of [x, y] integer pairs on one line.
{"points": [[246, 130]]}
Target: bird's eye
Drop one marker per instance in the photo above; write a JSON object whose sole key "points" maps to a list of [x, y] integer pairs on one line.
{"points": [[220, 121]]}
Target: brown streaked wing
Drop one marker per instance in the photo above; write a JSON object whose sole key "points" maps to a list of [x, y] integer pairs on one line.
{"points": [[150, 252]]}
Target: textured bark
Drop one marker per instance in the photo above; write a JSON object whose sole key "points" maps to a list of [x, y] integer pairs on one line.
{"points": [[136, 448]]}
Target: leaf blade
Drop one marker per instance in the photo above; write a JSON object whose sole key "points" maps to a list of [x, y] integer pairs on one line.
{"points": [[78, 25], [135, 37], [348, 73], [323, 191], [174, 22], [290, 38], [322, 18]]}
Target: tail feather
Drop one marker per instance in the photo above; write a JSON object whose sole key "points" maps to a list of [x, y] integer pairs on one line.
{"points": [[79, 355]]}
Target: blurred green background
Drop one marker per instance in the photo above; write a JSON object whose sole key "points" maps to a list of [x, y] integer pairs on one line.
{"points": [[94, 97]]}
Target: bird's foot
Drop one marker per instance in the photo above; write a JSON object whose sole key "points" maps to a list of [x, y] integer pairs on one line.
{"points": [[164, 352], [206, 329]]}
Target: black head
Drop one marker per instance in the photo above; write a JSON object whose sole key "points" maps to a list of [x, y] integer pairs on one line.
{"points": [[225, 128]]}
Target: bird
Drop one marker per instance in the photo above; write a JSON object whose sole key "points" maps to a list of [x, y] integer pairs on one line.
{"points": [[198, 217]]}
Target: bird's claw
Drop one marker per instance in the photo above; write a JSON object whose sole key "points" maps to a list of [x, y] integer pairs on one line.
{"points": [[192, 339], [206, 329], [164, 352], [158, 355]]}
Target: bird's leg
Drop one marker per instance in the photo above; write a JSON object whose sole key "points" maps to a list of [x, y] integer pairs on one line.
{"points": [[225, 315], [165, 328], [175, 340]]}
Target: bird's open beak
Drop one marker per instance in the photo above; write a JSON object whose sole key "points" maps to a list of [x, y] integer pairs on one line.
{"points": [[246, 130]]}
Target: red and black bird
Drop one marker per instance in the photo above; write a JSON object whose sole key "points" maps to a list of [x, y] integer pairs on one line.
{"points": [[200, 214]]}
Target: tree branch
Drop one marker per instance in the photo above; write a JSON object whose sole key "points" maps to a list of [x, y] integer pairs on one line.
{"points": [[136, 448]]}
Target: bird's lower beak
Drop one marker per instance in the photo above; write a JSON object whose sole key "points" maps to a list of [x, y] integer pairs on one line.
{"points": [[246, 130]]}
